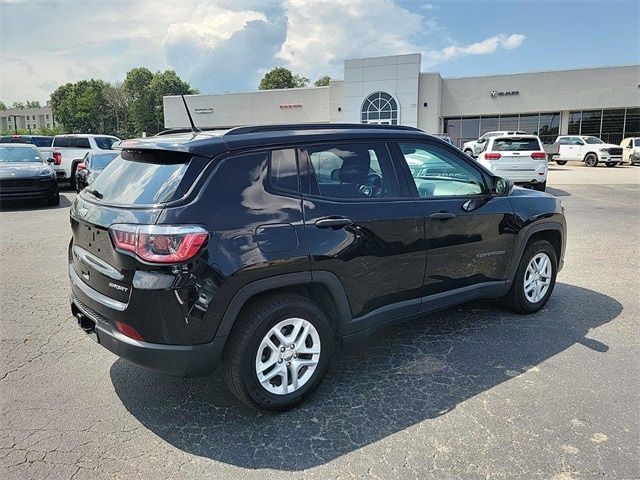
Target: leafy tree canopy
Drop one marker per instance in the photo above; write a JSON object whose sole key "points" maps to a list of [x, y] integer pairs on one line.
{"points": [[281, 77], [125, 109], [323, 81]]}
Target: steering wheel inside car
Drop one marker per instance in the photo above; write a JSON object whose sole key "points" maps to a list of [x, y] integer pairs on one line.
{"points": [[373, 187]]}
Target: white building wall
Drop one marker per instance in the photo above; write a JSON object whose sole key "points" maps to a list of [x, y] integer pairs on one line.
{"points": [[430, 92], [396, 75], [294, 105], [336, 101], [541, 92], [26, 118]]}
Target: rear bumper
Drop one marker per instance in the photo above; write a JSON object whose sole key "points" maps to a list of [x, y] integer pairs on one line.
{"points": [[176, 360]]}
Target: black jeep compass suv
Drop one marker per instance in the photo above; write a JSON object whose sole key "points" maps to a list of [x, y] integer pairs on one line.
{"points": [[262, 247]]}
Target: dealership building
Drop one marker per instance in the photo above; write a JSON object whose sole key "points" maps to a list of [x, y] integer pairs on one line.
{"points": [[392, 90]]}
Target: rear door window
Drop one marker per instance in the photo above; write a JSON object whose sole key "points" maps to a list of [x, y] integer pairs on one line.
{"points": [[79, 143], [146, 180], [61, 142], [105, 143]]}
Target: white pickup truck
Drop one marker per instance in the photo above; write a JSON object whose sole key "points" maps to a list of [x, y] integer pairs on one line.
{"points": [[69, 150], [581, 148]]}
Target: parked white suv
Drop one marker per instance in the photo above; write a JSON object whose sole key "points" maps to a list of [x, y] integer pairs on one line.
{"points": [[631, 150], [588, 149], [519, 158], [474, 147], [69, 150]]}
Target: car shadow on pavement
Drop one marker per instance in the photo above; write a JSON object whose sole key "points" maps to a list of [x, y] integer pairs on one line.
{"points": [[401, 376], [556, 192]]}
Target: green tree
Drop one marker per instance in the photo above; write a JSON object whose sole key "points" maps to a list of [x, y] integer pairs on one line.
{"points": [[19, 105], [3, 107], [145, 91], [118, 101], [136, 87], [81, 107], [33, 104], [281, 77], [323, 81], [163, 84]]}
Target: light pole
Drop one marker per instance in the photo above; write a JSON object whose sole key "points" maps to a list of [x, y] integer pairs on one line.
{"points": [[15, 122]]}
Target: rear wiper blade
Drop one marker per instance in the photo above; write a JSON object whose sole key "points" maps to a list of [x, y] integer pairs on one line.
{"points": [[94, 192]]}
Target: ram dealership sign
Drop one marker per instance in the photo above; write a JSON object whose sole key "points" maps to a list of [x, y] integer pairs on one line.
{"points": [[496, 94]]}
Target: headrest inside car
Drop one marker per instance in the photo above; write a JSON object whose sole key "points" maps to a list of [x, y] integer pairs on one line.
{"points": [[355, 167]]}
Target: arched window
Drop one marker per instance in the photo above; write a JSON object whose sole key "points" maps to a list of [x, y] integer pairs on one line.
{"points": [[380, 108]]}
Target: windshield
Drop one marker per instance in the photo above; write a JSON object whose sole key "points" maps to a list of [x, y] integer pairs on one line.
{"points": [[19, 154], [101, 160], [592, 140]]}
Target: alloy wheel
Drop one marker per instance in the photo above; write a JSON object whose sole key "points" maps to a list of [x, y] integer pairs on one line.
{"points": [[537, 277], [287, 356]]}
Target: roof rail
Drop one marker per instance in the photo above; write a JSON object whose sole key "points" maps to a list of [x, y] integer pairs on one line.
{"points": [[313, 126], [172, 130]]}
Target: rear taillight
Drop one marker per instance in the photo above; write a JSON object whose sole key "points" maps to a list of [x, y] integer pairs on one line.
{"points": [[492, 156], [81, 166], [57, 158], [539, 156], [159, 243]]}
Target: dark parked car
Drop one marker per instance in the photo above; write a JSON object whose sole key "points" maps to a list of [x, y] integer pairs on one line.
{"points": [[37, 140], [91, 166], [261, 247], [24, 175]]}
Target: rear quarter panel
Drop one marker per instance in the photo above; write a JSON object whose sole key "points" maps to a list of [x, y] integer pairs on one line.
{"points": [[256, 232]]}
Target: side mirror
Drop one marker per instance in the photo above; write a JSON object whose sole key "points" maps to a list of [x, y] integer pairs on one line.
{"points": [[51, 161], [501, 187]]}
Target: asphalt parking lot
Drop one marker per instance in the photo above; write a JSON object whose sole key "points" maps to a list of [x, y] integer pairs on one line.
{"points": [[471, 392]]}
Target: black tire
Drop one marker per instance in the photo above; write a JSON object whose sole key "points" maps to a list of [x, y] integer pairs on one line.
{"points": [[54, 200], [541, 187], [561, 162], [611, 164], [254, 322], [516, 299], [591, 160]]}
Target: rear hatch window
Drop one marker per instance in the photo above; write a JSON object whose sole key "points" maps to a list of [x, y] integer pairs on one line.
{"points": [[146, 178], [515, 144]]}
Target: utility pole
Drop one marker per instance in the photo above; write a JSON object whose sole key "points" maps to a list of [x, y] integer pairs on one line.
{"points": [[15, 122]]}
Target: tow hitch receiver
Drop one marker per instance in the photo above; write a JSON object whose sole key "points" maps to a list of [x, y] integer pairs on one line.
{"points": [[87, 325]]}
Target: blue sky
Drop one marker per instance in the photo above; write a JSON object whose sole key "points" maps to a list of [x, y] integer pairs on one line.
{"points": [[227, 45]]}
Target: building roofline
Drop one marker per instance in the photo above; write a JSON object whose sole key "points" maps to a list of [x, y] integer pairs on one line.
{"points": [[250, 92], [538, 71]]}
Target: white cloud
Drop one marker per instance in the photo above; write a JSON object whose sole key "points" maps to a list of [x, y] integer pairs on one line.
{"points": [[216, 45], [489, 45], [321, 36], [210, 25]]}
